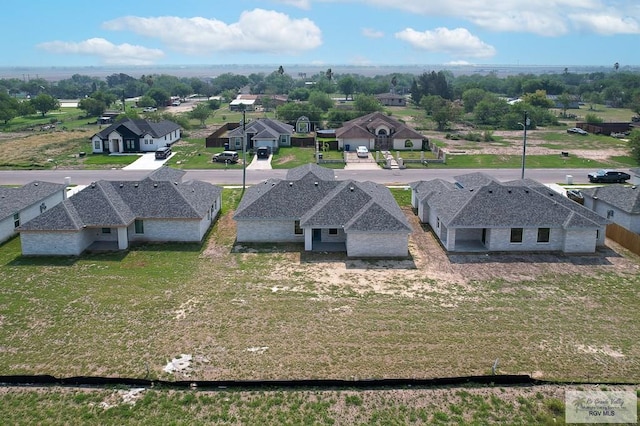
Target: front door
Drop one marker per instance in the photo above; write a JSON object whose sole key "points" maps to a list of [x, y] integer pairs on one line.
{"points": [[317, 234]]}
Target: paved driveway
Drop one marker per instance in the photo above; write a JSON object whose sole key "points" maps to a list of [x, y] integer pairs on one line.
{"points": [[147, 161], [260, 163], [356, 163]]}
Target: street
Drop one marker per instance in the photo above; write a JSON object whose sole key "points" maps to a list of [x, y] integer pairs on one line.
{"points": [[234, 177]]}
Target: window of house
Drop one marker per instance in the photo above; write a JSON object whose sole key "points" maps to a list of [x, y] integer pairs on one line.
{"points": [[438, 222], [16, 220], [139, 226], [408, 143], [96, 144], [106, 230], [543, 235], [333, 231], [516, 235], [609, 214], [296, 227]]}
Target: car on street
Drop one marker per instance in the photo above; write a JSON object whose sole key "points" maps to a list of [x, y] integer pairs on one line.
{"points": [[362, 151], [577, 131], [608, 176]]}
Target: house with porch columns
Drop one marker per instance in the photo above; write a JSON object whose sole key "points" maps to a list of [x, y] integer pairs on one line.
{"points": [[134, 136]]}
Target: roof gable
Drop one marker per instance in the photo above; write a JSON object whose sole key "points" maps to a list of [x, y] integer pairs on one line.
{"points": [[625, 198], [13, 200]]}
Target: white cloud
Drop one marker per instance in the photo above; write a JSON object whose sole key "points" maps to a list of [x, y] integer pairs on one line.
{"points": [[606, 24], [302, 4], [371, 33], [458, 42], [256, 31], [121, 54], [542, 17]]}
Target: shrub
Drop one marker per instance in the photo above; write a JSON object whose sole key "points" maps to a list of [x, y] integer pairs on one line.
{"points": [[593, 119]]}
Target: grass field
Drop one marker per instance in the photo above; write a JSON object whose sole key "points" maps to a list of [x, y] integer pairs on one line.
{"points": [[542, 405], [314, 315]]}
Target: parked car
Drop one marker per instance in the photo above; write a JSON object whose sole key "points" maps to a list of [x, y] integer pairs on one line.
{"points": [[263, 152], [149, 109], [226, 156], [162, 153], [608, 176], [575, 195], [578, 130], [362, 151], [175, 103]]}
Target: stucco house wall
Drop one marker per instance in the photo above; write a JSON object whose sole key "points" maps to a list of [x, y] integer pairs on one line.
{"points": [[400, 144], [377, 244], [166, 230], [580, 241], [500, 240]]}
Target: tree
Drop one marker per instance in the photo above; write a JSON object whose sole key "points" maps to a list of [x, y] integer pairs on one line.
{"points": [[538, 98], [471, 98], [43, 103], [321, 100], [347, 85], [92, 107], [442, 111], [201, 112], [490, 110], [366, 104], [290, 112], [565, 100], [634, 144], [146, 101], [161, 96], [9, 107]]}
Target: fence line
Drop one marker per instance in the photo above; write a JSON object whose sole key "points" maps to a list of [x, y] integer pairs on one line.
{"points": [[624, 237]]}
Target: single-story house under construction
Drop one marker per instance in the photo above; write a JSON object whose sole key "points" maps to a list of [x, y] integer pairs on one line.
{"points": [[310, 206], [478, 213], [20, 205], [618, 203], [113, 214]]}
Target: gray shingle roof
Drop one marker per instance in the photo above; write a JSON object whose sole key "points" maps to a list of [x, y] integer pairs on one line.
{"points": [[473, 180], [141, 127], [13, 200], [357, 206], [167, 173], [321, 173], [364, 126], [625, 198], [273, 128], [118, 203], [503, 205]]}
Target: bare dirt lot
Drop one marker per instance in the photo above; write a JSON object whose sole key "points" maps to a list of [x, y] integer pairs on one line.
{"points": [[430, 268]]}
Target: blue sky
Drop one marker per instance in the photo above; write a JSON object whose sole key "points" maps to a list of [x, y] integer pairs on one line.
{"points": [[332, 32]]}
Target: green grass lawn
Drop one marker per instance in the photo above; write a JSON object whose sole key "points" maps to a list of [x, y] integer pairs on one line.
{"points": [[514, 161], [102, 160]]}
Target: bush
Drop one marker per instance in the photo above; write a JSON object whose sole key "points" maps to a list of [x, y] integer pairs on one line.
{"points": [[593, 119]]}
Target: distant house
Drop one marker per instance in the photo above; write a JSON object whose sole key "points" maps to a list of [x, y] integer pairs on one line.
{"points": [[618, 203], [574, 101], [130, 135], [20, 205], [311, 207], [478, 213], [261, 132], [377, 131], [391, 99], [113, 214], [250, 102]]}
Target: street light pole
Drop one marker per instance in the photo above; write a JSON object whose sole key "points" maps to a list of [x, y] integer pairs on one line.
{"points": [[524, 141]]}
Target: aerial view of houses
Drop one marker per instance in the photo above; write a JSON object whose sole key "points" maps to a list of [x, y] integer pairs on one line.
{"points": [[320, 213]]}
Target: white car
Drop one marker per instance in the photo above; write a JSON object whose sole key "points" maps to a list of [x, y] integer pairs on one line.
{"points": [[362, 151], [149, 109]]}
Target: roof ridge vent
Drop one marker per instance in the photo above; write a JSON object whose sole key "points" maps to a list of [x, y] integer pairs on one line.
{"points": [[290, 184]]}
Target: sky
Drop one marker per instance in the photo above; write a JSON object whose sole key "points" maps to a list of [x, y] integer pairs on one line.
{"points": [[320, 32]]}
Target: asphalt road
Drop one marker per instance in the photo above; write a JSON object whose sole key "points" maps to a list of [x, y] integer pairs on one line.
{"points": [[234, 177]]}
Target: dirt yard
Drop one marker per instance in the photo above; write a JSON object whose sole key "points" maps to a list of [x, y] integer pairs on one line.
{"points": [[430, 269]]}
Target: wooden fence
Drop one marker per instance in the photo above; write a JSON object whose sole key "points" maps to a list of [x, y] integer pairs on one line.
{"points": [[624, 237]]}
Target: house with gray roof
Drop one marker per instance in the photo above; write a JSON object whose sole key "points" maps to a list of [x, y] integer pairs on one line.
{"points": [[21, 204], [129, 135], [618, 203], [260, 133], [113, 214], [478, 213], [310, 206], [377, 131]]}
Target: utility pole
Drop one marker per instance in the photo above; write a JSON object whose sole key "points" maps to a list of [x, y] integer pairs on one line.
{"points": [[244, 148], [524, 141]]}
